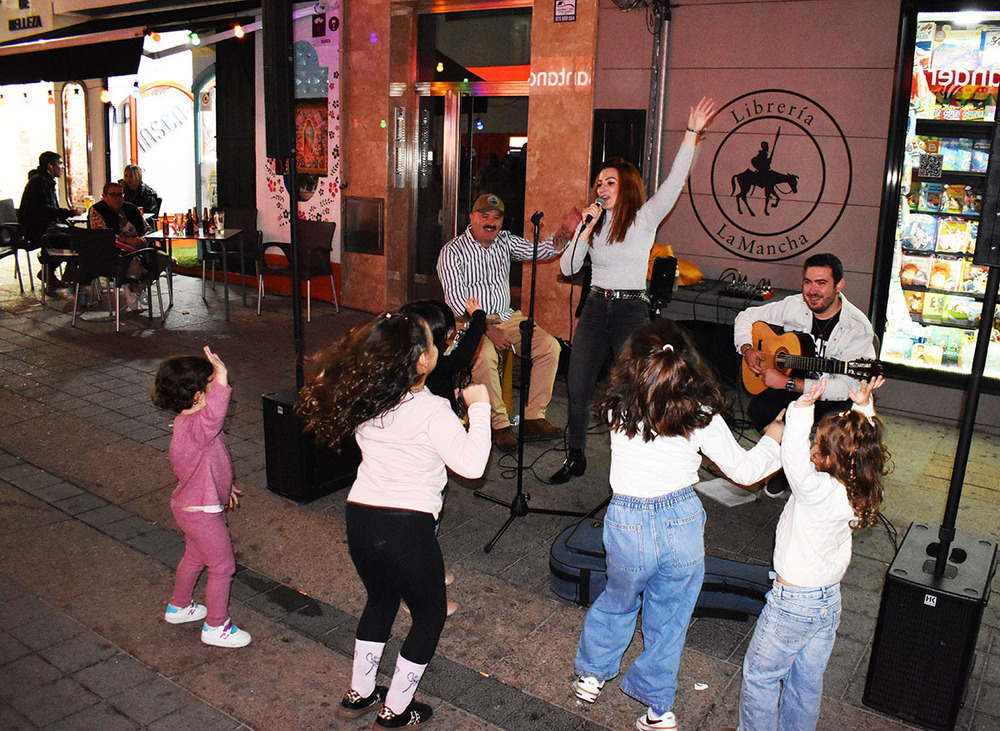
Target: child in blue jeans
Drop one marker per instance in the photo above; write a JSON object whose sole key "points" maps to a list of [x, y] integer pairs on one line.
{"points": [[836, 488], [663, 407], [197, 390]]}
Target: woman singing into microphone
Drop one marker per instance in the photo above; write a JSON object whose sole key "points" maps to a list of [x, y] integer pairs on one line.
{"points": [[619, 236]]}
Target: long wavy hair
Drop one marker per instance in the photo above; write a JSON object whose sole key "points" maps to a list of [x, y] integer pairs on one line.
{"points": [[848, 446], [631, 196], [660, 386], [366, 374]]}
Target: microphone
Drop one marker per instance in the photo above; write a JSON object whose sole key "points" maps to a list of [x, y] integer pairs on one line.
{"points": [[588, 218]]}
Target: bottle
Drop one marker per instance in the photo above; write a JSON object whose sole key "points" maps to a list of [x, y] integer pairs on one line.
{"points": [[204, 220], [194, 217], [189, 224], [211, 222]]}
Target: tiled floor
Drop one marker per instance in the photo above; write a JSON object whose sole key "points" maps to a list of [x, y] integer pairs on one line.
{"points": [[87, 546]]}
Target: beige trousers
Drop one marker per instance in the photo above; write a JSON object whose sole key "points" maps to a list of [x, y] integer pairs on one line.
{"points": [[545, 362]]}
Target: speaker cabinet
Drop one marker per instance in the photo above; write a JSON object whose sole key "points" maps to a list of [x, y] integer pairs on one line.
{"points": [[297, 467], [925, 636], [276, 27]]}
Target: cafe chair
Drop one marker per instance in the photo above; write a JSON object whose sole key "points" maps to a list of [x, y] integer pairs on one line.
{"points": [[315, 245], [56, 248], [98, 257], [227, 252], [12, 241]]}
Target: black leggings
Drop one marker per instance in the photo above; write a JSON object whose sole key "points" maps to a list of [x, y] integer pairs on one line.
{"points": [[398, 557]]}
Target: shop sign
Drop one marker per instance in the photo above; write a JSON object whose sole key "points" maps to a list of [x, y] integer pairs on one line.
{"points": [[778, 175], [22, 18], [560, 74]]}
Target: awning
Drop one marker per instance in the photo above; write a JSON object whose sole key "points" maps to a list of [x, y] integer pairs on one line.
{"points": [[108, 42], [70, 59]]}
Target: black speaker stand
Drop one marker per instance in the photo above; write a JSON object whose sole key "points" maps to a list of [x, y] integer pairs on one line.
{"points": [[519, 504]]}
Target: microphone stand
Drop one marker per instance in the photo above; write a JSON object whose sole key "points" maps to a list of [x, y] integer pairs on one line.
{"points": [[519, 504]]}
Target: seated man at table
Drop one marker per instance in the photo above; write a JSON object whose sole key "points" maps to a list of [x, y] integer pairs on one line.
{"points": [[40, 207], [125, 219], [838, 329]]}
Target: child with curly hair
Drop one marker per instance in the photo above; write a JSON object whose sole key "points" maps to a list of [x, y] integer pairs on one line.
{"points": [[664, 410], [836, 489], [198, 391], [371, 386]]}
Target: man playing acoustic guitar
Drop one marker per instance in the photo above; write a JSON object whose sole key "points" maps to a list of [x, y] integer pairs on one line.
{"points": [[839, 330]]}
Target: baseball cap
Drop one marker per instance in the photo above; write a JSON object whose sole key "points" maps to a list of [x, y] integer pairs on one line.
{"points": [[488, 202]]}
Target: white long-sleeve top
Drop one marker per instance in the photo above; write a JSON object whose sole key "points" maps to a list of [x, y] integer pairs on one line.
{"points": [[623, 264], [667, 464], [813, 539], [405, 451]]}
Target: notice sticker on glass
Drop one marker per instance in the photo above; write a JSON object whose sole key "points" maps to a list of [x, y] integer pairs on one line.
{"points": [[565, 11]]}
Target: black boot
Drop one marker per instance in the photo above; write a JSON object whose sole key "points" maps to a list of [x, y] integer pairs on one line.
{"points": [[574, 466]]}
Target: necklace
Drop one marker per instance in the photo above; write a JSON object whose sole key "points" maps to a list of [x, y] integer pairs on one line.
{"points": [[821, 331]]}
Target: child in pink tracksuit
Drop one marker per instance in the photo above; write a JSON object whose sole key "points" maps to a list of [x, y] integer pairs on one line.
{"points": [[198, 391]]}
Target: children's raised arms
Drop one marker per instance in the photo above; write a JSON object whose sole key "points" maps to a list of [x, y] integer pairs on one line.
{"points": [[220, 375], [808, 398], [865, 391], [471, 305], [475, 393]]}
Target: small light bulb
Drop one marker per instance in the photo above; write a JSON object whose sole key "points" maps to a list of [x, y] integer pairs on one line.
{"points": [[195, 40], [51, 99], [105, 96], [479, 124], [440, 66], [154, 35], [373, 38], [382, 124], [238, 31]]}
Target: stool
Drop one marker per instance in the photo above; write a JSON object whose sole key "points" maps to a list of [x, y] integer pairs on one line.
{"points": [[506, 367]]}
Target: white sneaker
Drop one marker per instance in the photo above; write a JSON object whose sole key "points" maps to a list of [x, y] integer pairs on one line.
{"points": [[650, 722], [587, 688], [228, 635], [191, 613]]}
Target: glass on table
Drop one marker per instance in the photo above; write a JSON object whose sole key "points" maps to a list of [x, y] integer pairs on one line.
{"points": [[220, 223]]}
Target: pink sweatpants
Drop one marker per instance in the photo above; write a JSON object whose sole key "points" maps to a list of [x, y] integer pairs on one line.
{"points": [[206, 543]]}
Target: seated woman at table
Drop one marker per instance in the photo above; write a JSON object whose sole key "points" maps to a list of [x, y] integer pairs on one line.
{"points": [[137, 192], [112, 212]]}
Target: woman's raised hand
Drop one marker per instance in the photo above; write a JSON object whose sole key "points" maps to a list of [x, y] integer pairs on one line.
{"points": [[702, 114]]}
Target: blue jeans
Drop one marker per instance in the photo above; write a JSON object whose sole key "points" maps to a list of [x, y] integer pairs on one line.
{"points": [[604, 327], [791, 645], [656, 559]]}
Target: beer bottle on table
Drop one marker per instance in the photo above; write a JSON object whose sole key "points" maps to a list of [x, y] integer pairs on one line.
{"points": [[189, 224]]}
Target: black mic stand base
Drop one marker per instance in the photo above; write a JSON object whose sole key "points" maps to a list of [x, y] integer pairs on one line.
{"points": [[518, 509]]}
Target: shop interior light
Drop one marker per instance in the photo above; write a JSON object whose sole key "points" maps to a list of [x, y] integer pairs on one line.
{"points": [[373, 38], [382, 124], [195, 40], [968, 18], [154, 35], [105, 96], [238, 31]]}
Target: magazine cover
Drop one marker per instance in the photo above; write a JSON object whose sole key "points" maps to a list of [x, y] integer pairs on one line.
{"points": [[915, 271], [953, 235], [946, 274], [921, 233]]}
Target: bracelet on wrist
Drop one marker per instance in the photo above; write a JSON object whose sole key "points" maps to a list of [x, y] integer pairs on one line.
{"points": [[698, 132]]}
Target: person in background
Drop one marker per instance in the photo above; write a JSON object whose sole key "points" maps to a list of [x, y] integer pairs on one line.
{"points": [[839, 330], [112, 212], [663, 408], [476, 264], [372, 386], [619, 236], [836, 489], [40, 203], [138, 193]]}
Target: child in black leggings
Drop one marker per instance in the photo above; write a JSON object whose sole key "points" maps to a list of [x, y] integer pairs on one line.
{"points": [[372, 386]]}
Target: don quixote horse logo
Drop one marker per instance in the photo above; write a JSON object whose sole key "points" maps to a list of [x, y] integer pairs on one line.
{"points": [[794, 189]]}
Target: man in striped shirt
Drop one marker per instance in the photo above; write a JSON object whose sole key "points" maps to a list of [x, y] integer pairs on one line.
{"points": [[477, 264]]}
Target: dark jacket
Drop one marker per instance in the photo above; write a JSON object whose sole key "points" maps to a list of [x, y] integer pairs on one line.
{"points": [[144, 197], [40, 205], [442, 381], [112, 220]]}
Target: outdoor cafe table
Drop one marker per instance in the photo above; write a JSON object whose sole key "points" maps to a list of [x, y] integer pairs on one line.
{"points": [[165, 242]]}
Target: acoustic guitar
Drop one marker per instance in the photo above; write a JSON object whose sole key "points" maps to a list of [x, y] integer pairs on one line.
{"points": [[794, 354]]}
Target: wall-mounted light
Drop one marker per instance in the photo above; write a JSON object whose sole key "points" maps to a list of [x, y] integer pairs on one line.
{"points": [[373, 38], [440, 66], [238, 31]]}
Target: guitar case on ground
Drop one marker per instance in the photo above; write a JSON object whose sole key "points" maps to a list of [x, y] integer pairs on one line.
{"points": [[731, 589]]}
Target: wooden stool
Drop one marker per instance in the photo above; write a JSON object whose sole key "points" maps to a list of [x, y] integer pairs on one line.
{"points": [[506, 366]]}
